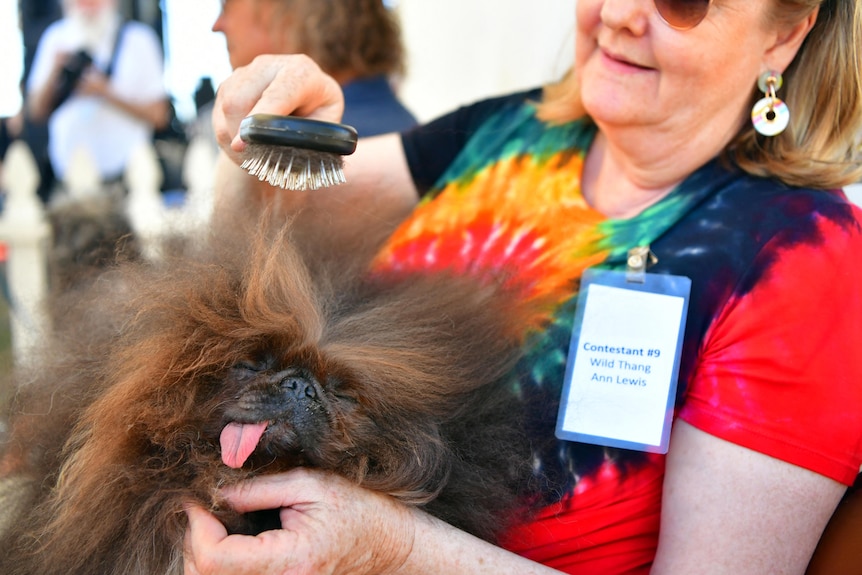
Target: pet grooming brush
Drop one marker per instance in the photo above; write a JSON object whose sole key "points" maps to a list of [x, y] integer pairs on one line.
{"points": [[296, 153]]}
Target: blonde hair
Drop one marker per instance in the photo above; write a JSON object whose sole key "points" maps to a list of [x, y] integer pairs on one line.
{"points": [[822, 146]]}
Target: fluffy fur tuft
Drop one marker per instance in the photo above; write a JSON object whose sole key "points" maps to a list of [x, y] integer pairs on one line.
{"points": [[117, 421]]}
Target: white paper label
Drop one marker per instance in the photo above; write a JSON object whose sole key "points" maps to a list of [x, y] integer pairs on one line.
{"points": [[621, 377]]}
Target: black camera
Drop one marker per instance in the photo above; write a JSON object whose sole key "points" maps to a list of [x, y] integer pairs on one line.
{"points": [[70, 74]]}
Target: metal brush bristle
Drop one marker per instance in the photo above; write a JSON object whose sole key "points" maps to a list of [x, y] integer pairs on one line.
{"points": [[293, 168]]}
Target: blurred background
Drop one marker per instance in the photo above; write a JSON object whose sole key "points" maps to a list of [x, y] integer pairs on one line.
{"points": [[458, 50]]}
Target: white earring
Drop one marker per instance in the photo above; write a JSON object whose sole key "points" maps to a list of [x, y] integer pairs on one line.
{"points": [[770, 115]]}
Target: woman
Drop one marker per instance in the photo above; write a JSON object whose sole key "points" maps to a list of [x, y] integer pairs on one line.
{"points": [[767, 428], [358, 42]]}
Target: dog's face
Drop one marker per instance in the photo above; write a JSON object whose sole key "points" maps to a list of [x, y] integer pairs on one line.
{"points": [[283, 393], [293, 410], [169, 380], [285, 410]]}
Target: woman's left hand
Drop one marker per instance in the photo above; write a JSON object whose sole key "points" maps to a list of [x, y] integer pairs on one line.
{"points": [[329, 525]]}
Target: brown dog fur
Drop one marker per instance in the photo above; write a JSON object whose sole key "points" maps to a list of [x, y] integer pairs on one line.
{"points": [[116, 422], [88, 234]]}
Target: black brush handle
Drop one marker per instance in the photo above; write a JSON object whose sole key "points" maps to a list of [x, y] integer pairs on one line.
{"points": [[295, 132]]}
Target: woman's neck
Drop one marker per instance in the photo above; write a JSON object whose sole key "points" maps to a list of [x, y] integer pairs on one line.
{"points": [[625, 174], [630, 168], [616, 185]]}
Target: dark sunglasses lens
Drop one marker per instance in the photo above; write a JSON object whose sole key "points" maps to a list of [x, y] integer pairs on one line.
{"points": [[682, 14]]}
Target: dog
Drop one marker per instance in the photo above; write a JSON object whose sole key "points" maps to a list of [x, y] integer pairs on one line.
{"points": [[254, 350]]}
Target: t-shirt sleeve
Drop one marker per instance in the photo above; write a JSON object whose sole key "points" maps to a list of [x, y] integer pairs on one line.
{"points": [[780, 370], [43, 60], [431, 148], [139, 73]]}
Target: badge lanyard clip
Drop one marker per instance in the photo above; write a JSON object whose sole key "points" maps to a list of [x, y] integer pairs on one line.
{"points": [[636, 263]]}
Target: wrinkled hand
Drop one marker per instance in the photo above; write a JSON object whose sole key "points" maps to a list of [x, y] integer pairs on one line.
{"points": [[329, 526], [285, 84]]}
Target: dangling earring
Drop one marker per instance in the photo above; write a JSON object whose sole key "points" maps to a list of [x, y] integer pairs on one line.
{"points": [[770, 115]]}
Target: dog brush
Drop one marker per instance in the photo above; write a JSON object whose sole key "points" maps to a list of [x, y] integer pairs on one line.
{"points": [[296, 153]]}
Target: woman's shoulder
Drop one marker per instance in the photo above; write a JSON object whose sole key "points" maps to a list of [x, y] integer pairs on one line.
{"points": [[753, 228], [775, 310], [56, 31], [797, 213], [750, 224], [766, 206], [431, 148], [470, 117]]}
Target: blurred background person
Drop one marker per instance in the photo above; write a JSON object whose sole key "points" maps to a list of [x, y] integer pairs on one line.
{"points": [[99, 83], [34, 17], [10, 130], [357, 42]]}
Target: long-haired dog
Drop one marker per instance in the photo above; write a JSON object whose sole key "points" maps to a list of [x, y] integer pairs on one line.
{"points": [[256, 353]]}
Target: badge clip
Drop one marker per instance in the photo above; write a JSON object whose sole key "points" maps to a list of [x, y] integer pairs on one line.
{"points": [[636, 264]]}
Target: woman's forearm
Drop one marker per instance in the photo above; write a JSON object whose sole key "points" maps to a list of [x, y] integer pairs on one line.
{"points": [[441, 548]]}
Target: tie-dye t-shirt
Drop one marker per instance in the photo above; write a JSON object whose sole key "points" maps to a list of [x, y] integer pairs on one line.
{"points": [[769, 359]]}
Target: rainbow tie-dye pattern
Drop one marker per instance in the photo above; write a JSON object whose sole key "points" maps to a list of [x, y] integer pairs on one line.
{"points": [[758, 253], [512, 202], [511, 205]]}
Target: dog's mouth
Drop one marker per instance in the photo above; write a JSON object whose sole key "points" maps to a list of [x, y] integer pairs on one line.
{"points": [[239, 440], [281, 413]]}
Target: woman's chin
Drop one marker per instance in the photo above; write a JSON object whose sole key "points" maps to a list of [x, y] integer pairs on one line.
{"points": [[610, 111]]}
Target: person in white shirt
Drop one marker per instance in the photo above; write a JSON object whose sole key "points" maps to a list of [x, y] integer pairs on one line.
{"points": [[119, 99]]}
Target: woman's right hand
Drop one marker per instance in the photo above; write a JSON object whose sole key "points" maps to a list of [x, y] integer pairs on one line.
{"points": [[285, 84], [329, 525]]}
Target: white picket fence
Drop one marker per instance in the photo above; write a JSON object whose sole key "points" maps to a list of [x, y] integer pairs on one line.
{"points": [[26, 233]]}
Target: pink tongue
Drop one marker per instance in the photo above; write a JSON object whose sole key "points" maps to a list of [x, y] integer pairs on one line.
{"points": [[238, 441]]}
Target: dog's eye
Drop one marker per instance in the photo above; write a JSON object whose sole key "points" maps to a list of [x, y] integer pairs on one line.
{"points": [[337, 389], [246, 370], [249, 366], [256, 365]]}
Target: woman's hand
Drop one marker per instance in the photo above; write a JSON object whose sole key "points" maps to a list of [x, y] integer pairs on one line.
{"points": [[285, 84], [329, 525]]}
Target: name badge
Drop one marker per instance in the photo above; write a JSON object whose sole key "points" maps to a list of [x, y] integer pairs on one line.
{"points": [[623, 363]]}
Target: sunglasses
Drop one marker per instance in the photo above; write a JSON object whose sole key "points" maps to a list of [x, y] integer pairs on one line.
{"points": [[682, 14]]}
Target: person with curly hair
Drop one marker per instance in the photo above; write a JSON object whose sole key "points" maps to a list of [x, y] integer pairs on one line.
{"points": [[357, 42]]}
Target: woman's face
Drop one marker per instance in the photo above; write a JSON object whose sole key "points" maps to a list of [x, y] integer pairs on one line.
{"points": [[635, 70], [252, 28]]}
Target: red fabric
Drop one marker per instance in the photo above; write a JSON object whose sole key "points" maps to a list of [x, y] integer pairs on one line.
{"points": [[782, 368], [780, 372], [610, 525]]}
